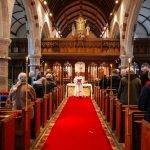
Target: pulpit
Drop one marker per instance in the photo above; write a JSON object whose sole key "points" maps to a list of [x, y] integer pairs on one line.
{"points": [[70, 90]]}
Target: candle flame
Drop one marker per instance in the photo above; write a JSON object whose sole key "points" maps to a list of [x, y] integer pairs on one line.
{"points": [[129, 60]]}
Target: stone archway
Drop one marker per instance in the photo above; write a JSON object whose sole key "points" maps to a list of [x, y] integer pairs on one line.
{"points": [[34, 36], [129, 22], [45, 31]]}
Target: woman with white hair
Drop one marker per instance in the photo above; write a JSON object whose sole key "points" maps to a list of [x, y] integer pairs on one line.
{"points": [[17, 93]]}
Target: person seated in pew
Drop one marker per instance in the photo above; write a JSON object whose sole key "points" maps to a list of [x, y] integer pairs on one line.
{"points": [[17, 94], [144, 100], [135, 88], [39, 85], [50, 83]]}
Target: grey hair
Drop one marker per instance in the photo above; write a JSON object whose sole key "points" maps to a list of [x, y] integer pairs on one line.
{"points": [[31, 74], [22, 76]]}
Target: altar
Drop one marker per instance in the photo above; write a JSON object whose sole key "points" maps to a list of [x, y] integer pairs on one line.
{"points": [[70, 89]]}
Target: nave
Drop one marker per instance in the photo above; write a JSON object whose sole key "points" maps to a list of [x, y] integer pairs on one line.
{"points": [[77, 127]]}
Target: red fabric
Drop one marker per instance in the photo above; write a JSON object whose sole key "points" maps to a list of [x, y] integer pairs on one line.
{"points": [[77, 128]]}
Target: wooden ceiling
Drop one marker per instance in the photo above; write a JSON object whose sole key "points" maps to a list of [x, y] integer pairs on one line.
{"points": [[96, 12]]}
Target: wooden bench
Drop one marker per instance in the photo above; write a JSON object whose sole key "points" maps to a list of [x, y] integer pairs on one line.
{"points": [[107, 107], [43, 110], [112, 114], [36, 121], [145, 135], [21, 127], [133, 119], [7, 131], [120, 120], [109, 93], [102, 100]]}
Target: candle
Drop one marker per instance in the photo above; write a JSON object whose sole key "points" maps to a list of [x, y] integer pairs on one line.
{"points": [[27, 59], [129, 60]]}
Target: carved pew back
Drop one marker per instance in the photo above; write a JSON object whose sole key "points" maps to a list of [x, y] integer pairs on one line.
{"points": [[120, 119], [145, 135], [7, 131], [133, 120]]}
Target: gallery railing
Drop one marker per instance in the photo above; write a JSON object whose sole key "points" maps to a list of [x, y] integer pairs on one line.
{"points": [[102, 46]]}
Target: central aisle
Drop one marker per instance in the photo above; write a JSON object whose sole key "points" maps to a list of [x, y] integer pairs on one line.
{"points": [[77, 128]]}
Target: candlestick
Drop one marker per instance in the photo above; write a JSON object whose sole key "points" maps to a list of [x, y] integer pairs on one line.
{"points": [[111, 93], [26, 82], [103, 77], [129, 82]]}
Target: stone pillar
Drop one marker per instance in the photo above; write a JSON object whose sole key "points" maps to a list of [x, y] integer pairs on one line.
{"points": [[34, 62], [4, 43], [124, 60]]}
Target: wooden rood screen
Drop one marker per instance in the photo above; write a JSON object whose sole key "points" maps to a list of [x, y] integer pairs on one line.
{"points": [[97, 46]]}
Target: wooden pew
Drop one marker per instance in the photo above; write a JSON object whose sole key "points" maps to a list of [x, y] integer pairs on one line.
{"points": [[43, 111], [145, 135], [109, 93], [21, 127], [107, 107], [112, 112], [7, 132], [120, 120], [133, 119], [54, 96], [36, 121], [102, 100], [22, 130]]}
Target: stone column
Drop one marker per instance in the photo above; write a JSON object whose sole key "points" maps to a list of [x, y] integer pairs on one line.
{"points": [[4, 43], [34, 62]]}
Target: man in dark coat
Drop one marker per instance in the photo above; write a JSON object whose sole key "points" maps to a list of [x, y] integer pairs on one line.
{"points": [[144, 100], [115, 80], [135, 88]]}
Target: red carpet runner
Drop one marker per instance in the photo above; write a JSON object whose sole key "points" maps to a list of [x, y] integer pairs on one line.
{"points": [[77, 128]]}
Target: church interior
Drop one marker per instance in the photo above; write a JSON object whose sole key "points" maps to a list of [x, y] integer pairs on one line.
{"points": [[74, 75]]}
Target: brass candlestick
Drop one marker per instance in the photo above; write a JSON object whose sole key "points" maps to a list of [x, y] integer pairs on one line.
{"points": [[129, 62], [26, 82], [129, 83], [111, 92]]}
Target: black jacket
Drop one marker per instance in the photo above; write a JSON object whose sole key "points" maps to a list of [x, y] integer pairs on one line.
{"points": [[144, 100]]}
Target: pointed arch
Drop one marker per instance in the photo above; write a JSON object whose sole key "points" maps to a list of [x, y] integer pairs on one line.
{"points": [[115, 33], [129, 25], [45, 31]]}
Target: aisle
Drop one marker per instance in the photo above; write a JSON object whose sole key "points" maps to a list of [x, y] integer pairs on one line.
{"points": [[77, 128]]}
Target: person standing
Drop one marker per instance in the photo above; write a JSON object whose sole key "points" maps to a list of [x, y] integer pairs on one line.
{"points": [[17, 94], [78, 80], [135, 88], [144, 100]]}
